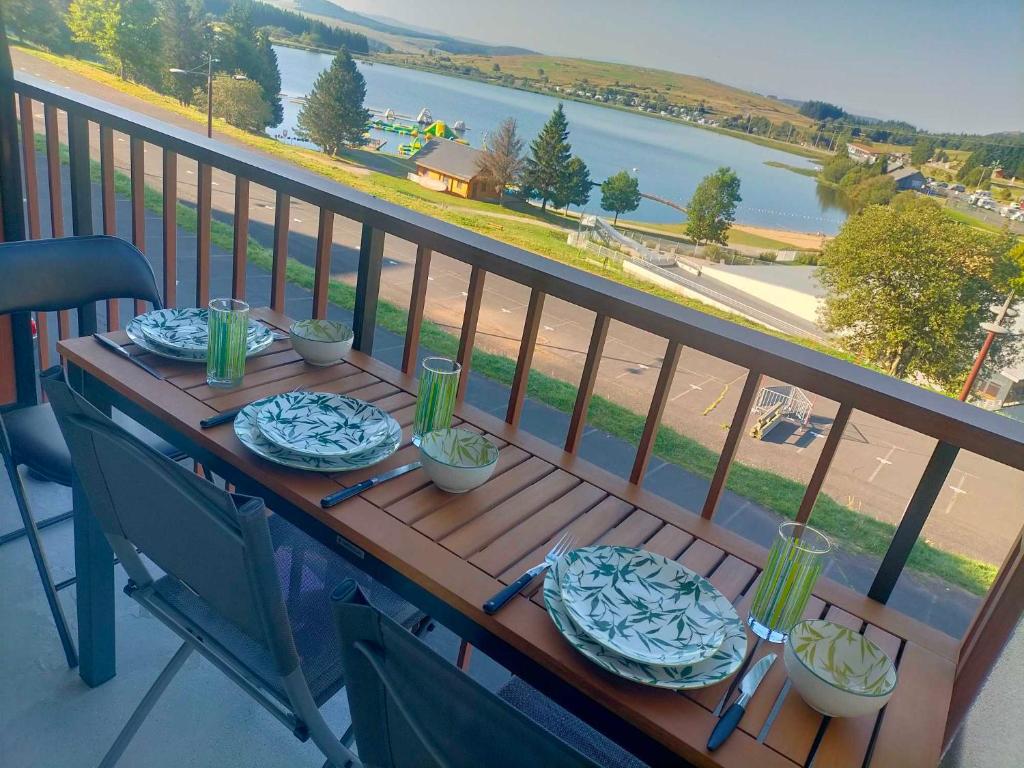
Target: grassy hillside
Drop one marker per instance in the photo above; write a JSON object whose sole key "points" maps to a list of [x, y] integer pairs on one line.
{"points": [[721, 100]]}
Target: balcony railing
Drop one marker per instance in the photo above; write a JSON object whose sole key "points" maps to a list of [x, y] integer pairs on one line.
{"points": [[955, 425]]}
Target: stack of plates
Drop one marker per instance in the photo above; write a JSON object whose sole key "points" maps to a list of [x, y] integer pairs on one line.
{"points": [[318, 431], [644, 617], [182, 334]]}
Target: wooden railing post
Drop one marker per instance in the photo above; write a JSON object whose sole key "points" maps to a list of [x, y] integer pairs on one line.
{"points": [[531, 326], [913, 521], [578, 421], [417, 305], [996, 619], [240, 244], [204, 206], [279, 266], [108, 203], [16, 347], [80, 182], [371, 259], [28, 158], [828, 452], [137, 154], [658, 400], [732, 444], [170, 228], [467, 339], [322, 272]]}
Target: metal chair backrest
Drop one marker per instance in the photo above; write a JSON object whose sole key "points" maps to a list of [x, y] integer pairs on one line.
{"points": [[216, 543], [72, 272], [412, 709]]}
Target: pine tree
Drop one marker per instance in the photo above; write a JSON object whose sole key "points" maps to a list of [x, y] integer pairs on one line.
{"points": [[549, 159], [333, 115], [501, 161], [269, 77], [575, 187], [182, 32], [244, 48]]}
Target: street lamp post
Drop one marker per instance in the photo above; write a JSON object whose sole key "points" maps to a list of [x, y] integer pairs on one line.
{"points": [[210, 61], [994, 329]]}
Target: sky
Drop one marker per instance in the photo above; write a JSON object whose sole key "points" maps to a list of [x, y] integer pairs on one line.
{"points": [[944, 65]]}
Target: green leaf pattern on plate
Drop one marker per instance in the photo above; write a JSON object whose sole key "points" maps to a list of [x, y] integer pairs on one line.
{"points": [[643, 606], [186, 329], [842, 657], [260, 337], [717, 667], [249, 434], [322, 424], [459, 448]]}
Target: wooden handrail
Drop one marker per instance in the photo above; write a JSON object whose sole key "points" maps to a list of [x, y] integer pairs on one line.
{"points": [[896, 401]]}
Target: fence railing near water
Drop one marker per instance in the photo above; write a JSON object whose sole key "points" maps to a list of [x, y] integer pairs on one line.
{"points": [[954, 425]]}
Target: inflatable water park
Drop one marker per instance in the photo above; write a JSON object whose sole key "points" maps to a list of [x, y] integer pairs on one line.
{"points": [[419, 129]]}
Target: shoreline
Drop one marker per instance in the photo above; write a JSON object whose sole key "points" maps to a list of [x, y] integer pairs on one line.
{"points": [[793, 149]]}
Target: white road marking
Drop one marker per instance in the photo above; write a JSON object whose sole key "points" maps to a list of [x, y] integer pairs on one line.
{"points": [[506, 311], [548, 328], [463, 292], [882, 461], [958, 491], [297, 221]]}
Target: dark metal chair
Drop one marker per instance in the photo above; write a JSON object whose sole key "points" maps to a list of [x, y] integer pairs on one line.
{"points": [[243, 588], [412, 709], [46, 276]]}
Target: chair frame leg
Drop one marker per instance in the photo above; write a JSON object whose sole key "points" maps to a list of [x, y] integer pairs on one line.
{"points": [[146, 705], [465, 654], [39, 555]]}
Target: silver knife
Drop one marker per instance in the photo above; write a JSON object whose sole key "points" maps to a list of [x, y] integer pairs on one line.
{"points": [[113, 346], [347, 493], [728, 722]]}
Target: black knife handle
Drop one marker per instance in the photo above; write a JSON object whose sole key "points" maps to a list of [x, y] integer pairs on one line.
{"points": [[725, 725], [220, 418], [337, 497], [502, 597]]}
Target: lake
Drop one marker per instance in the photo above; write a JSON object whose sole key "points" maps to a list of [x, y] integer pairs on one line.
{"points": [[669, 158]]}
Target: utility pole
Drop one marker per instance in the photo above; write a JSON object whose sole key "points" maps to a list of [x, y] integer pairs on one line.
{"points": [[994, 329]]}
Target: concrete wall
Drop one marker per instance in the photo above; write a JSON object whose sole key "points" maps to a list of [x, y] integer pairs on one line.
{"points": [[794, 288]]}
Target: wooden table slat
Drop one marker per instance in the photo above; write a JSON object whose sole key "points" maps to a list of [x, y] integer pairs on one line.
{"points": [[468, 506], [486, 527], [796, 727], [669, 542]]}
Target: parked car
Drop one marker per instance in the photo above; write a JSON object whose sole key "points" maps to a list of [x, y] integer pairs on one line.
{"points": [[958, 188], [1018, 216]]}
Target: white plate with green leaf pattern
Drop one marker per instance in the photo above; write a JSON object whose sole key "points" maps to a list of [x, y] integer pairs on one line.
{"points": [[322, 424], [717, 667], [643, 606], [249, 434], [185, 330], [257, 342]]}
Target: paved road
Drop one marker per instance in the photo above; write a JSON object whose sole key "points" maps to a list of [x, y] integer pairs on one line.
{"points": [[875, 471]]}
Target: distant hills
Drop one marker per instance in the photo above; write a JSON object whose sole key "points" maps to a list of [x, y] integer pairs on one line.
{"points": [[391, 35]]}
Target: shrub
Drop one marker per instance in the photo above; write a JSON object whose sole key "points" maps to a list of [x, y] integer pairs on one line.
{"points": [[768, 256]]}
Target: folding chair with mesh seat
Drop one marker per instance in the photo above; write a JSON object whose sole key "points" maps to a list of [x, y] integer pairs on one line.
{"points": [[243, 588], [412, 709], [48, 276]]}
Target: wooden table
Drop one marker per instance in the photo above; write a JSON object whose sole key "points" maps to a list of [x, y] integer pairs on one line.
{"points": [[449, 553]]}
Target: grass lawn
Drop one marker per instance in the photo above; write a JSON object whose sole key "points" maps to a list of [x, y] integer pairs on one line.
{"points": [[782, 495]]}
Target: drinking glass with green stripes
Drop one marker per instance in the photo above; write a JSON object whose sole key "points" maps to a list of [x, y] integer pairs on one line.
{"points": [[794, 564], [435, 403], [227, 345]]}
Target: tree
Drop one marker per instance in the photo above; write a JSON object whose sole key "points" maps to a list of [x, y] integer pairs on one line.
{"points": [[333, 115], [549, 158], [242, 47], [575, 188], [182, 44], [922, 150], [620, 194], [123, 32], [268, 75], [821, 110], [40, 21], [501, 161], [238, 102], [907, 286], [713, 206]]}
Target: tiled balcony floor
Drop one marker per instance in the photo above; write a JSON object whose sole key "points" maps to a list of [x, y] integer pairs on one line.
{"points": [[49, 718]]}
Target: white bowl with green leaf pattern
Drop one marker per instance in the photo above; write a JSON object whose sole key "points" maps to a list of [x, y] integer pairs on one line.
{"points": [[457, 460], [321, 342], [837, 670]]}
